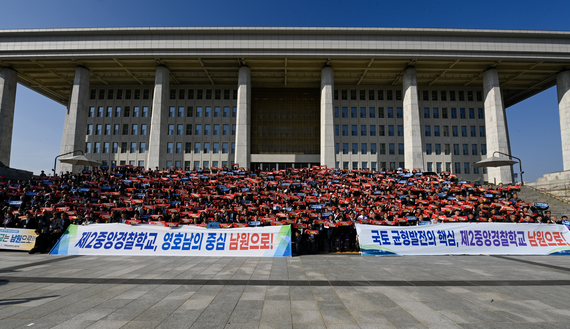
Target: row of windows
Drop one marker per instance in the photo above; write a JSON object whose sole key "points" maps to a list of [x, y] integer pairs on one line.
{"points": [[392, 148], [172, 129], [113, 147], [373, 112], [430, 167], [181, 93], [116, 112], [366, 130], [205, 112], [435, 95], [170, 164]]}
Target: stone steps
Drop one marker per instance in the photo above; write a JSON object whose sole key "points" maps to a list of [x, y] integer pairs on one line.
{"points": [[557, 206]]}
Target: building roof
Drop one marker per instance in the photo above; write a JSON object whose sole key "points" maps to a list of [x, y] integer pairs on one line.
{"points": [[527, 61]]}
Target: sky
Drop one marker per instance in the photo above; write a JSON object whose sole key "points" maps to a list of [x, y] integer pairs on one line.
{"points": [[533, 124]]}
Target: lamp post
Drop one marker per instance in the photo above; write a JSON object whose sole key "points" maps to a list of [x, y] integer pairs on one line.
{"points": [[55, 160], [520, 164]]}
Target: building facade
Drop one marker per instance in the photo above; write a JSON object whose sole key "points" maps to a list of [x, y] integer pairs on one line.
{"points": [[353, 98]]}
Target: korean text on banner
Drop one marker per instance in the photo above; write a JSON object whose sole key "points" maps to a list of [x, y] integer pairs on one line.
{"points": [[17, 239], [465, 239], [149, 240]]}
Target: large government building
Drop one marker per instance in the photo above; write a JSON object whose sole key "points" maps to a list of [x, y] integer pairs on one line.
{"points": [[353, 98]]}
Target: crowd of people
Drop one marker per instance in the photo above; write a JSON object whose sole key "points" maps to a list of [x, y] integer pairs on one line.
{"points": [[321, 204]]}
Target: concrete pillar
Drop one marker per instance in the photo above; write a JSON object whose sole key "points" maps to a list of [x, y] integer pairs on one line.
{"points": [[496, 126], [413, 150], [327, 117], [8, 84], [563, 87], [76, 118], [157, 135], [243, 120]]}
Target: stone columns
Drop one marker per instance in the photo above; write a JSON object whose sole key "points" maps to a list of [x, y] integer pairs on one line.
{"points": [[563, 87], [496, 127], [327, 116], [8, 83], [76, 117], [157, 134], [413, 150], [243, 120]]}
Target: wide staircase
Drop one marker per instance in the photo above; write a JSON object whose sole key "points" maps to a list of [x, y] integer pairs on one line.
{"points": [[557, 206]]}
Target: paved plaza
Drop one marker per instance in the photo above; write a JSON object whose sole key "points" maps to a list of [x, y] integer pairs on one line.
{"points": [[318, 291]]}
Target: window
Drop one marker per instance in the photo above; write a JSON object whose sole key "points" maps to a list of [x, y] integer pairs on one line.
{"points": [[362, 95], [353, 112], [143, 130], [353, 95], [181, 111], [216, 148], [362, 130], [430, 166], [115, 129], [448, 166], [382, 148], [444, 113], [225, 130], [399, 113], [354, 148], [127, 111], [455, 131], [169, 147], [436, 131], [178, 148], [233, 130], [427, 131], [179, 129], [476, 170], [452, 95], [89, 129], [437, 149], [336, 148], [390, 112], [141, 162], [372, 111], [389, 96], [481, 131], [462, 113], [363, 111], [480, 114], [97, 147], [461, 95], [208, 93], [426, 113], [345, 112], [438, 166], [465, 149], [145, 112], [336, 112], [109, 113], [401, 149], [234, 112], [100, 112], [127, 94], [344, 148], [206, 147], [106, 147], [363, 148], [400, 130], [133, 147], [471, 113], [463, 131], [381, 112], [107, 129], [198, 111], [135, 130], [473, 149], [101, 93], [443, 95], [479, 96], [435, 113], [473, 131], [455, 149], [226, 111], [390, 130], [372, 130], [392, 148], [188, 148], [380, 95], [217, 111], [336, 130], [216, 130], [190, 111], [458, 167], [119, 94], [224, 148], [483, 149], [206, 130], [93, 94], [172, 93], [170, 130], [447, 149], [125, 129], [428, 150], [466, 167], [196, 165], [118, 112], [469, 95], [218, 94], [373, 148], [198, 131], [226, 94], [354, 130], [142, 147], [445, 131], [434, 95], [135, 112], [208, 112], [188, 129], [381, 131], [425, 95], [453, 113]]}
